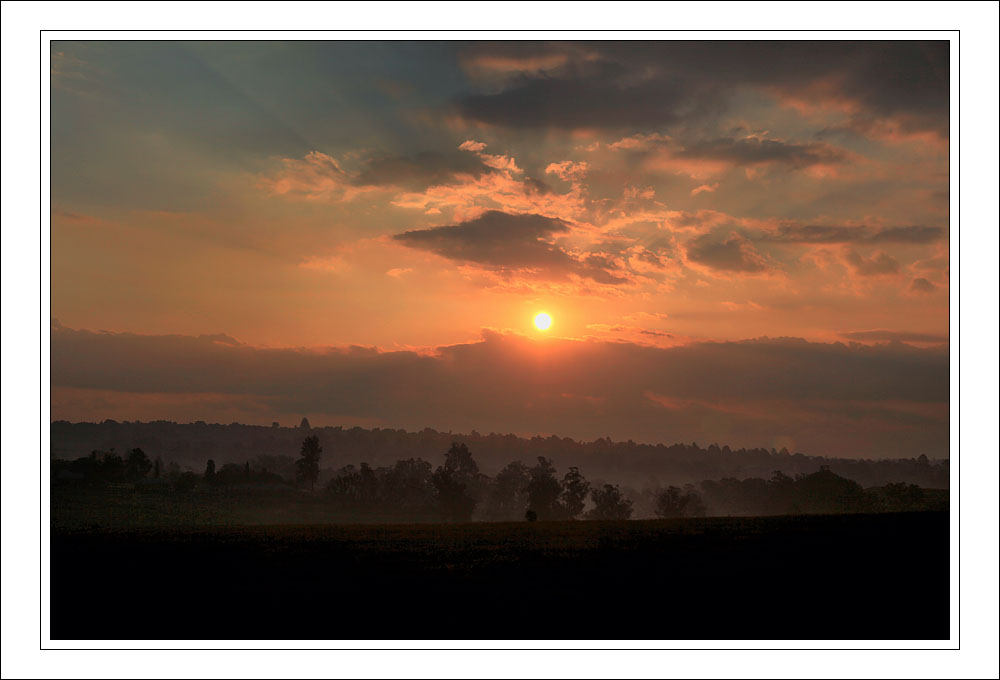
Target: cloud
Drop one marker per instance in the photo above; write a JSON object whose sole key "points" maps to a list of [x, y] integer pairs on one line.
{"points": [[750, 151], [568, 171], [893, 336], [496, 191], [319, 176], [735, 254], [419, 171], [899, 86], [505, 163], [741, 393], [911, 234], [472, 145], [700, 156], [812, 233], [879, 264], [922, 285], [511, 243], [508, 57], [599, 94]]}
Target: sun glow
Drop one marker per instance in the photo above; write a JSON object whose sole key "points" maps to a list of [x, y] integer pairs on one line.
{"points": [[543, 321]]}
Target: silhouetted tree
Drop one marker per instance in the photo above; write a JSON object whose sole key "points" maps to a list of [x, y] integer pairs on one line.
{"points": [[669, 503], [531, 515], [825, 491], [673, 502], [459, 462], [112, 467], [307, 466], [454, 503], [156, 468], [137, 465], [609, 504], [508, 493], [210, 471], [544, 490], [304, 425], [574, 493], [367, 486]]}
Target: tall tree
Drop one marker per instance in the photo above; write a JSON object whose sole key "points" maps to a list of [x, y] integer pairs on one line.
{"points": [[508, 494], [544, 490], [307, 466], [459, 461], [574, 493]]}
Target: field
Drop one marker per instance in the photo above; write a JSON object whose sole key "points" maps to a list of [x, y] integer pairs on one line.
{"points": [[805, 577]]}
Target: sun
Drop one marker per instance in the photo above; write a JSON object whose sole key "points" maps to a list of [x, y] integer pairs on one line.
{"points": [[543, 321]]}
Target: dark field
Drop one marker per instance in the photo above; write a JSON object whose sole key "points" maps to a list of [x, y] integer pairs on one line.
{"points": [[805, 577]]}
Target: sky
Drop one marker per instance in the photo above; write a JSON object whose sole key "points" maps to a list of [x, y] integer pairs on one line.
{"points": [[737, 242]]}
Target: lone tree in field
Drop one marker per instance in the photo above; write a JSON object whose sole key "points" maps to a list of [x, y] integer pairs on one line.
{"points": [[307, 467]]}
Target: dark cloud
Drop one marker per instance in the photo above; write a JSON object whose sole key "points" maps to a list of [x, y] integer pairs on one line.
{"points": [[912, 234], [741, 393], [656, 84], [733, 254], [511, 243], [878, 264], [419, 171], [512, 49], [810, 233], [755, 151], [922, 285], [536, 186], [598, 94], [892, 336]]}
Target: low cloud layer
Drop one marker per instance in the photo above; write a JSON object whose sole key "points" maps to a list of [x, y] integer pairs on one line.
{"points": [[893, 336], [831, 399]]}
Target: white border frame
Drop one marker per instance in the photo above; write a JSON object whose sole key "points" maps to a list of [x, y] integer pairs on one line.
{"points": [[977, 498]]}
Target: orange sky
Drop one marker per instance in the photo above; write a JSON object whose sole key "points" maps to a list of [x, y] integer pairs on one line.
{"points": [[406, 196]]}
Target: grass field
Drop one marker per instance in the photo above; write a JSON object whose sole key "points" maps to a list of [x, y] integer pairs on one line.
{"points": [[805, 577]]}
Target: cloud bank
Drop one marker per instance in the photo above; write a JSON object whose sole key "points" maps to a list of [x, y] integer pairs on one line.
{"points": [[830, 399]]}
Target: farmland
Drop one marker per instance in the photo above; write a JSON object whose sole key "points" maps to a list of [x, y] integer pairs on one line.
{"points": [[858, 576]]}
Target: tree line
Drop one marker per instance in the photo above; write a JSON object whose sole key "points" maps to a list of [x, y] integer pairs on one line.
{"points": [[412, 489], [626, 462]]}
